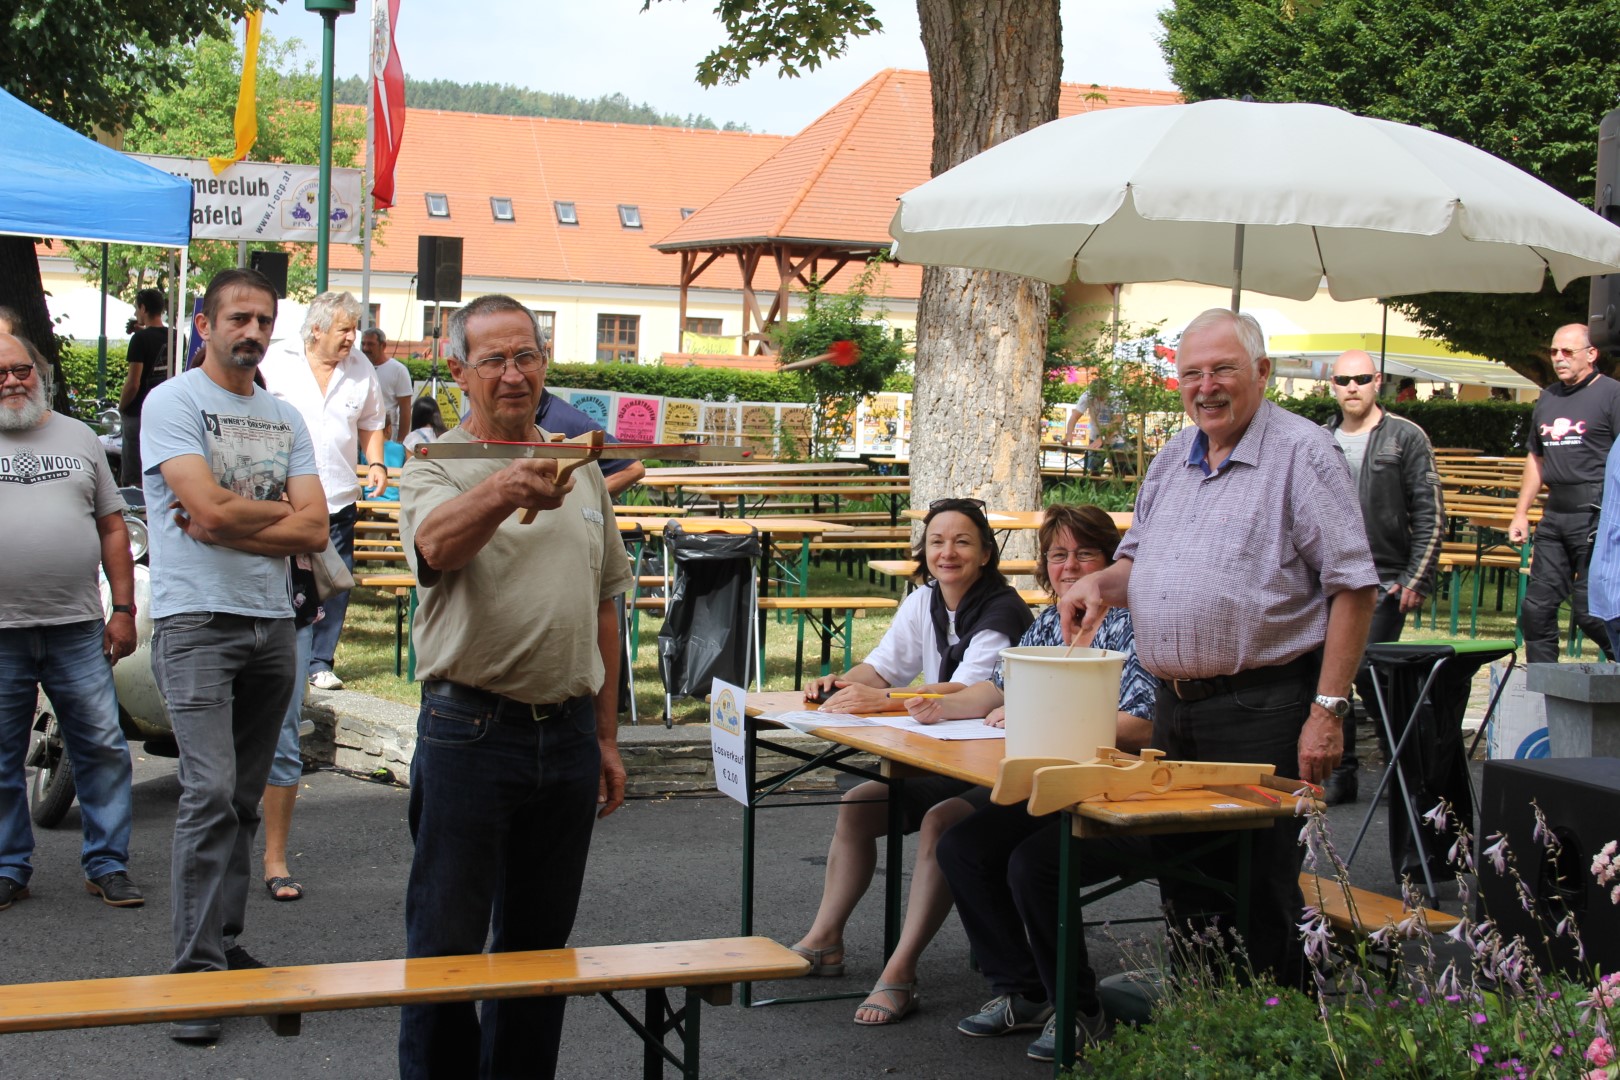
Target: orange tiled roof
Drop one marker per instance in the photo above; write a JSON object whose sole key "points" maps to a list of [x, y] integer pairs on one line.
{"points": [[838, 178], [471, 157]]}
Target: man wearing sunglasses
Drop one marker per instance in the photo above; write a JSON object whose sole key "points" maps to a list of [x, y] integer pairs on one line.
{"points": [[1571, 430], [1399, 490]]}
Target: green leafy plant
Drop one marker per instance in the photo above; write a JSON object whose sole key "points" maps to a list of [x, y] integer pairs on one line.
{"points": [[836, 390]]}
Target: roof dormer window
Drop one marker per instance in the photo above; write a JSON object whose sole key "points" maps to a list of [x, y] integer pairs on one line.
{"points": [[438, 205], [501, 208], [630, 216], [566, 214]]}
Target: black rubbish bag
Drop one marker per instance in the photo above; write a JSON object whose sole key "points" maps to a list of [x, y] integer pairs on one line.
{"points": [[710, 610]]}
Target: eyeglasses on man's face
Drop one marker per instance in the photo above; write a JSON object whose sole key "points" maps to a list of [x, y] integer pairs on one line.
{"points": [[1359, 380], [1225, 373], [1570, 353], [493, 367], [20, 372]]}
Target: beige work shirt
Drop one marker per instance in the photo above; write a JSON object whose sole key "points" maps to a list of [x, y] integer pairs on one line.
{"points": [[520, 618]]}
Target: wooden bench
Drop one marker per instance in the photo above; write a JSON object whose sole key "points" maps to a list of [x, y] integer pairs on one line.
{"points": [[704, 969], [1354, 913], [402, 585], [822, 613]]}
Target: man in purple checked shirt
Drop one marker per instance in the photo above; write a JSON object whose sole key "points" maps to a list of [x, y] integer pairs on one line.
{"points": [[1251, 588]]}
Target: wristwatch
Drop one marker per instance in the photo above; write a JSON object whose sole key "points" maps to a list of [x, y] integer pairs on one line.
{"points": [[126, 609], [1338, 706]]}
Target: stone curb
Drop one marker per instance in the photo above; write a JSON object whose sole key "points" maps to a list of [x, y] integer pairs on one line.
{"points": [[362, 734]]}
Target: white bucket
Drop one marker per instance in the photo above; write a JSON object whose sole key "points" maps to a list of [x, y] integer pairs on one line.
{"points": [[1061, 704]]}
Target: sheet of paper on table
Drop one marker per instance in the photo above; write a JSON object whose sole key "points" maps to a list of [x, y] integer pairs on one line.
{"points": [[807, 719]]}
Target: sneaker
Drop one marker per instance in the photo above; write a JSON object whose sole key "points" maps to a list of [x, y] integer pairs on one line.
{"points": [[1007, 1013], [115, 890], [11, 890], [326, 680], [195, 1031], [239, 959], [1089, 1030]]}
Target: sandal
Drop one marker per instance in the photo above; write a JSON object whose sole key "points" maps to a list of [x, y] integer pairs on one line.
{"points": [[889, 1016], [276, 884], [818, 966]]}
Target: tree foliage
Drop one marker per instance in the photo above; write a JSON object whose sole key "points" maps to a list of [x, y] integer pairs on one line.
{"points": [[90, 63], [1526, 80], [195, 119], [795, 36], [504, 99]]}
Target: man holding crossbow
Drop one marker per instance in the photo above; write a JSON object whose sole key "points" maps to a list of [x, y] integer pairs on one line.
{"points": [[518, 655]]}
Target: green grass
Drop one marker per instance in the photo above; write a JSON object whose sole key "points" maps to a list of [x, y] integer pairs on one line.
{"points": [[365, 657]]}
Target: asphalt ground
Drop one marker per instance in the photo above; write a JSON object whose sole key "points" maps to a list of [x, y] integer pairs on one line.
{"points": [[661, 869]]}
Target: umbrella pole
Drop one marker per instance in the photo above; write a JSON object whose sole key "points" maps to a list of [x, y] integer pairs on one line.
{"points": [[1237, 269], [1383, 344]]}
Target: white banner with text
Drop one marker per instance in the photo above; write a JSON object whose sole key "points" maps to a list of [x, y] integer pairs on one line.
{"points": [[260, 200]]}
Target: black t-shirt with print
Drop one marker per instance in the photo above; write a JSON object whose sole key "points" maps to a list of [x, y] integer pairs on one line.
{"points": [[1572, 429]]}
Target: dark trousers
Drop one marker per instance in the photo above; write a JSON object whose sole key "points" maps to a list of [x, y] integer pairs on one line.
{"points": [[129, 455], [1002, 865], [330, 624], [1258, 724], [1387, 623], [501, 813], [1558, 570]]}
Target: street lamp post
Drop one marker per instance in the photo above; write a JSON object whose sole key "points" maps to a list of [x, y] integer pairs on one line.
{"points": [[329, 10]]}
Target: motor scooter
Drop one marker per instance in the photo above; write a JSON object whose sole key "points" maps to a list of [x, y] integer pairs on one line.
{"points": [[142, 712]]}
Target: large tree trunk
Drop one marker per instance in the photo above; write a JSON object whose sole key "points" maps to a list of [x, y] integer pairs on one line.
{"points": [[22, 291], [981, 336]]}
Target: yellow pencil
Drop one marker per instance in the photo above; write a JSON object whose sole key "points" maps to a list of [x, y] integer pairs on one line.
{"points": [[912, 694]]}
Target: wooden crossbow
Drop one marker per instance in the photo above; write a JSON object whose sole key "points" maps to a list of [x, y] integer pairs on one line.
{"points": [[580, 450]]}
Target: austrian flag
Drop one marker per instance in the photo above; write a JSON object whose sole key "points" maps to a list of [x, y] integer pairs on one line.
{"points": [[387, 101]]}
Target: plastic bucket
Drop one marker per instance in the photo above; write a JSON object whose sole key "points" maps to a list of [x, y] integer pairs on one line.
{"points": [[1061, 704]]}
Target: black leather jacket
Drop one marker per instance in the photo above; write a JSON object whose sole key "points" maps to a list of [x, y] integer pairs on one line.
{"points": [[1401, 503]]}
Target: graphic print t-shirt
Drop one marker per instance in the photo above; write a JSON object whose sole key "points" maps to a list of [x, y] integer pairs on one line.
{"points": [[1573, 429], [252, 445], [54, 484]]}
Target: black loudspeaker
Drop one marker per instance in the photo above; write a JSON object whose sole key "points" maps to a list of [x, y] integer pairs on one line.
{"points": [[438, 268], [1603, 309], [273, 265], [1580, 799]]}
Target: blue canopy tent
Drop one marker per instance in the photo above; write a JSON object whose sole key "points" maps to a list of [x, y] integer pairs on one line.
{"points": [[55, 182]]}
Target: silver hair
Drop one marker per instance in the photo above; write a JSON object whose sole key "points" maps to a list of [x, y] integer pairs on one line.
{"points": [[491, 304], [374, 332], [324, 309], [1245, 326]]}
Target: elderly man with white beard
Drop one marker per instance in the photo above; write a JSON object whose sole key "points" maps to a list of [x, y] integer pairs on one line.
{"points": [[64, 517]]}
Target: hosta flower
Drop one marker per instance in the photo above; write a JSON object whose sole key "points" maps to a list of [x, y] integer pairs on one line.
{"points": [[1497, 852], [1439, 817]]}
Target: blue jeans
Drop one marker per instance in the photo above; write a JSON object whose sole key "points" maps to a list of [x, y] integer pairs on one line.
{"points": [[227, 680], [288, 765], [333, 611], [501, 813], [68, 662]]}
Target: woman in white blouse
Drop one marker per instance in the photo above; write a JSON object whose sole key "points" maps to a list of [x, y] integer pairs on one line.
{"points": [[950, 631]]}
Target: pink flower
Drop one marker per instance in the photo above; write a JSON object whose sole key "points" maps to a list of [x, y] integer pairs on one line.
{"points": [[1600, 1053], [1272, 1001]]}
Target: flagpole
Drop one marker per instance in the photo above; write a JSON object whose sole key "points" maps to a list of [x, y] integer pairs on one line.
{"points": [[368, 209], [329, 10]]}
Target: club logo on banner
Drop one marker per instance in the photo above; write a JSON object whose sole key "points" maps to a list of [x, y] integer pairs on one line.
{"points": [[258, 200], [638, 419], [599, 407]]}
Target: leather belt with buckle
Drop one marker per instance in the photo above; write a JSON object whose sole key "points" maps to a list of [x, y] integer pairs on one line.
{"points": [[1201, 689], [501, 707]]}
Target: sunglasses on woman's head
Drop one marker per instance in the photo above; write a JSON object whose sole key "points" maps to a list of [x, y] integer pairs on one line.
{"points": [[955, 504], [1359, 380]]}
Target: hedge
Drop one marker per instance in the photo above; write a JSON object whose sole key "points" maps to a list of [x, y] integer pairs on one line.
{"points": [[711, 384], [79, 371], [1499, 428]]}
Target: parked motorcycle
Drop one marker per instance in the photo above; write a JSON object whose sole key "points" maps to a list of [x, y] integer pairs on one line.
{"points": [[142, 712]]}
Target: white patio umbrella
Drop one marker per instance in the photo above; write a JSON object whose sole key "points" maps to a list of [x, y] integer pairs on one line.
{"points": [[1269, 197]]}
